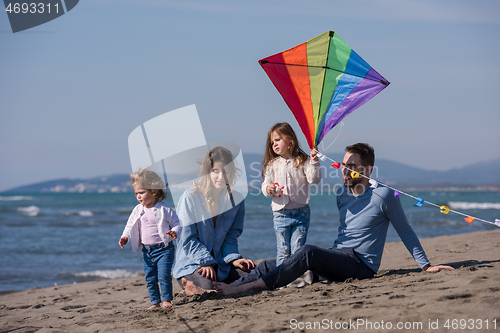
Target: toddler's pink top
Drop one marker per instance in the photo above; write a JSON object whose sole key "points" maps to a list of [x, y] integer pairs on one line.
{"points": [[149, 228]]}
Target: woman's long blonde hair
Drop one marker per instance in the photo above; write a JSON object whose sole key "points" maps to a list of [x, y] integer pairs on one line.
{"points": [[283, 129], [204, 186]]}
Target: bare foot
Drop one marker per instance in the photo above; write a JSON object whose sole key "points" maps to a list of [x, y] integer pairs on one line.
{"points": [[154, 306], [191, 289], [166, 304]]}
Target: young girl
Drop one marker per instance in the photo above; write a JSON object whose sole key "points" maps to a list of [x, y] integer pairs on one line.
{"points": [[287, 173], [151, 227]]}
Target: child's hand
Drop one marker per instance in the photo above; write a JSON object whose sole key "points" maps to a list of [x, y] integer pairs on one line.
{"points": [[123, 241], [172, 234], [271, 189], [314, 155]]}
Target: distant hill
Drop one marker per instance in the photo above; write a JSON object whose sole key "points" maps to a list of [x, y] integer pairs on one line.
{"points": [[107, 184], [485, 173]]}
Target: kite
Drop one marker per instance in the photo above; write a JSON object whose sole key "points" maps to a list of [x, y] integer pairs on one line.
{"points": [[322, 81]]}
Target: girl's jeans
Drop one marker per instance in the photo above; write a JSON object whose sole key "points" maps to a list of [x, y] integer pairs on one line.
{"points": [[291, 227], [158, 260]]}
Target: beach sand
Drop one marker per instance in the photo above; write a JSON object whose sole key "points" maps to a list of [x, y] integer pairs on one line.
{"points": [[399, 293]]}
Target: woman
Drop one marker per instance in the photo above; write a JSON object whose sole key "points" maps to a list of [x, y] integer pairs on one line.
{"points": [[212, 218]]}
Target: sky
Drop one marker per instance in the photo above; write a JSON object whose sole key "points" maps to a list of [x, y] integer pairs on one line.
{"points": [[73, 89]]}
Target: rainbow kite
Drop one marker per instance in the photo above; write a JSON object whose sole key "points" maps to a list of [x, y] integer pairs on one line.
{"points": [[322, 81]]}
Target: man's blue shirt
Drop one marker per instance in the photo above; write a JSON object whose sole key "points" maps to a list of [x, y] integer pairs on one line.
{"points": [[364, 221]]}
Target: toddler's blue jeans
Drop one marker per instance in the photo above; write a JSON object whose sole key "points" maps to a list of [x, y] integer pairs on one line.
{"points": [[158, 260], [291, 227]]}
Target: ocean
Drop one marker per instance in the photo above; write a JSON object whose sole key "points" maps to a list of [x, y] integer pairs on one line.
{"points": [[61, 238]]}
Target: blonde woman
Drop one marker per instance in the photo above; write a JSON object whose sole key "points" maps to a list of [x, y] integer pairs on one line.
{"points": [[212, 218]]}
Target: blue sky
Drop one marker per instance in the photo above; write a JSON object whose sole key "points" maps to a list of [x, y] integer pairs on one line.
{"points": [[73, 89]]}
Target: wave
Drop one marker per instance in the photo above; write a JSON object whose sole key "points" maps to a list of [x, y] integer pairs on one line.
{"points": [[29, 211], [85, 213], [16, 198], [108, 274], [79, 213], [474, 205]]}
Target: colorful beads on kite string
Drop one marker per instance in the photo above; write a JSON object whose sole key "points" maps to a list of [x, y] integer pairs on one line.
{"points": [[444, 209], [420, 202], [336, 165], [469, 219], [280, 189]]}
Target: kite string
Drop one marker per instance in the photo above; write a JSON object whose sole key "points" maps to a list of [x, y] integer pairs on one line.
{"points": [[340, 130], [409, 195]]}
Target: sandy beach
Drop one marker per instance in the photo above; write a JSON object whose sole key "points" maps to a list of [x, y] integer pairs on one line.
{"points": [[400, 298]]}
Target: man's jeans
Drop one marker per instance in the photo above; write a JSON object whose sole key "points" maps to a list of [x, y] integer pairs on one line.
{"points": [[331, 264], [158, 260], [291, 227]]}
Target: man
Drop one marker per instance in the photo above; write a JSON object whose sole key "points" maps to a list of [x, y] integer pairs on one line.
{"points": [[365, 213]]}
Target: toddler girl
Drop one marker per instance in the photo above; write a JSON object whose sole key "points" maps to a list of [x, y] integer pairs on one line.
{"points": [[151, 227], [287, 173]]}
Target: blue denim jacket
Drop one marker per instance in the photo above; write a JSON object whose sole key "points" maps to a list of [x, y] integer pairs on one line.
{"points": [[200, 244]]}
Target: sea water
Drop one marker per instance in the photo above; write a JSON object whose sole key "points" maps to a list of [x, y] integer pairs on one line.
{"points": [[60, 238]]}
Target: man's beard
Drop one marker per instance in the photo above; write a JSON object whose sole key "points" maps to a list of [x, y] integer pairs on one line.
{"points": [[352, 182]]}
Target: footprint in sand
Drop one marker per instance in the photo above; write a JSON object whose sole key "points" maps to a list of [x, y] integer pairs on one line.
{"points": [[71, 307], [456, 296]]}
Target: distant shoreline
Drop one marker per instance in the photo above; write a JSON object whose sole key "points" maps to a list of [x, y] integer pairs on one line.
{"points": [[450, 188], [127, 189], [478, 175]]}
